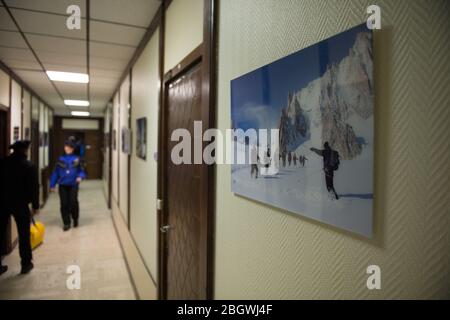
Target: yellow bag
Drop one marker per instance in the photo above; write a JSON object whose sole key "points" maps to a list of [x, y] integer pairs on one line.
{"points": [[37, 232]]}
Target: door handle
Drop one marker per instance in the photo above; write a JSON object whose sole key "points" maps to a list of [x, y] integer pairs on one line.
{"points": [[165, 228]]}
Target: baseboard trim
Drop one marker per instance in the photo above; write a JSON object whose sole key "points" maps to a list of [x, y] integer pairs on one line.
{"points": [[142, 281]]}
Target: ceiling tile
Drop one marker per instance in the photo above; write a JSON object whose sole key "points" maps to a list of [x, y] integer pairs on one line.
{"points": [[64, 67], [18, 54], [57, 45], [103, 50], [74, 91], [5, 20], [38, 81], [48, 24], [12, 39], [136, 12], [59, 6], [62, 111], [62, 59], [108, 64], [103, 82], [22, 64], [105, 73], [101, 31]]}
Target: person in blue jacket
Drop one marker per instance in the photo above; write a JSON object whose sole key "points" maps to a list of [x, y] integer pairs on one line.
{"points": [[68, 174]]}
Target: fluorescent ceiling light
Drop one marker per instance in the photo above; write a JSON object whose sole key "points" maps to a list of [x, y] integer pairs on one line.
{"points": [[68, 76], [80, 113], [76, 103]]}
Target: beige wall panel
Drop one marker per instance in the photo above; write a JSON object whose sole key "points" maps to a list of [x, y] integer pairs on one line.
{"points": [[184, 30], [4, 89], [16, 109], [143, 213], [115, 159], [123, 162]]}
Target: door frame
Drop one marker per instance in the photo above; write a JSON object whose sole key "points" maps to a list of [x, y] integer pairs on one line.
{"points": [[205, 54]]}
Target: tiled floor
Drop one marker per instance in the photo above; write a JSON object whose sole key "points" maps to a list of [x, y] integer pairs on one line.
{"points": [[93, 246]]}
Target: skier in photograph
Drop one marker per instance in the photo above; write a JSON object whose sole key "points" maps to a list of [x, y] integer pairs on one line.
{"points": [[330, 164], [254, 159], [295, 159], [267, 160], [289, 158], [302, 160], [284, 159]]}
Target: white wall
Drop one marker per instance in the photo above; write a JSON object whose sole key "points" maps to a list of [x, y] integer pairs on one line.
{"points": [[107, 149], [123, 162], [41, 131], [26, 114], [267, 253], [184, 30], [4, 89], [34, 109], [143, 214], [16, 109], [115, 159], [80, 124]]}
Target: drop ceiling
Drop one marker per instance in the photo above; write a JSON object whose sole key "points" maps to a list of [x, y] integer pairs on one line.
{"points": [[116, 28]]}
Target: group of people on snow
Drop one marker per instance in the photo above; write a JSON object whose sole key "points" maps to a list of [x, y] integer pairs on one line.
{"points": [[330, 157]]}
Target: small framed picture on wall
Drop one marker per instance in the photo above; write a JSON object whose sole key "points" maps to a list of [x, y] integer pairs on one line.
{"points": [[27, 134], [114, 137], [16, 135], [141, 138], [126, 140]]}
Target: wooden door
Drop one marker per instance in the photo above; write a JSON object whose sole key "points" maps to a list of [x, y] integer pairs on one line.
{"points": [[34, 148], [5, 239], [4, 143], [94, 155], [181, 227]]}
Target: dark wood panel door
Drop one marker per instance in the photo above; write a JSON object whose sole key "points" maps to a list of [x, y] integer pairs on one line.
{"points": [[34, 148], [182, 228], [5, 239], [3, 134]]}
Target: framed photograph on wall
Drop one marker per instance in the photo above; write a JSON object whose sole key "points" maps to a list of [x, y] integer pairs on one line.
{"points": [[320, 100], [16, 134], [126, 140], [141, 138], [114, 138], [27, 135]]}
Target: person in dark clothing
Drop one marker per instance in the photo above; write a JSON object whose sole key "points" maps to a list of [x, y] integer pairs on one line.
{"points": [[68, 174], [19, 186], [295, 159], [289, 158], [302, 160], [284, 158], [254, 158], [329, 165]]}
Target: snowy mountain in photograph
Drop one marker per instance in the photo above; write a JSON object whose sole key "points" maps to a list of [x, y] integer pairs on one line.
{"points": [[326, 109]]}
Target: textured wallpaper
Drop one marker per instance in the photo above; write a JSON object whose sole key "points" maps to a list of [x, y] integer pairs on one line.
{"points": [[264, 252]]}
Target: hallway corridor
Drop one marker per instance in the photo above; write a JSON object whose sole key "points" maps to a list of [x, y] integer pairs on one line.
{"points": [[93, 246]]}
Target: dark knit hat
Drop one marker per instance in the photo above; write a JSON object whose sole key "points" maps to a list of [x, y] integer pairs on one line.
{"points": [[71, 143], [20, 144]]}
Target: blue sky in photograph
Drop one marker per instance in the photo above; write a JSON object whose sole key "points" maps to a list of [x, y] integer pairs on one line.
{"points": [[269, 85]]}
